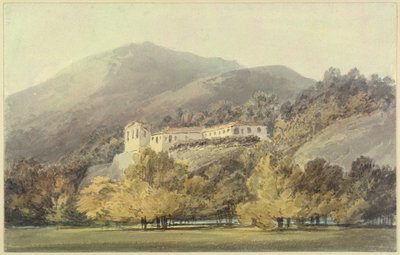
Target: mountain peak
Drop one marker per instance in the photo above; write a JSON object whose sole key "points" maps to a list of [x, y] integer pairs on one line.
{"points": [[137, 80]]}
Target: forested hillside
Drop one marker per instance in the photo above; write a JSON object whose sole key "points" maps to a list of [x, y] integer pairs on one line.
{"points": [[371, 135], [336, 97]]}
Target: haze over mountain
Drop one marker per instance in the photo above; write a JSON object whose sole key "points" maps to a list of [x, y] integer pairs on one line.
{"points": [[137, 81]]}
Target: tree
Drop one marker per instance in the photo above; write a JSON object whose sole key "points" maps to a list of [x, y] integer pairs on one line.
{"points": [[157, 169], [271, 184], [261, 107], [228, 193], [28, 189], [367, 194], [382, 197], [321, 183], [127, 201], [93, 199], [196, 191], [150, 190]]}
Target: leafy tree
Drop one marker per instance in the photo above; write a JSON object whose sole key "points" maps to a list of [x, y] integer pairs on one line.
{"points": [[196, 190], [275, 199], [321, 183], [262, 108], [150, 190], [28, 188], [374, 188], [93, 199], [127, 201], [157, 169]]}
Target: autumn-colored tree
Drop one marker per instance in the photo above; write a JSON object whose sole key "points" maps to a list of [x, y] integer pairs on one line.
{"points": [[196, 191], [149, 190], [93, 199], [157, 169], [275, 199]]}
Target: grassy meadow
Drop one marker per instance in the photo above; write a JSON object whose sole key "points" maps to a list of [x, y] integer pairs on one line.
{"points": [[124, 239]]}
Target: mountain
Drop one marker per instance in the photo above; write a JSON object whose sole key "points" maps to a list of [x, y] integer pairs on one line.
{"points": [[344, 141], [137, 81]]}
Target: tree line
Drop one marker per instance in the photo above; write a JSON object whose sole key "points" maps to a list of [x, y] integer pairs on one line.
{"points": [[283, 191]]}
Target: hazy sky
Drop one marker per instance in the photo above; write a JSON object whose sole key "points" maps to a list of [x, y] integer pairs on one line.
{"points": [[40, 39]]}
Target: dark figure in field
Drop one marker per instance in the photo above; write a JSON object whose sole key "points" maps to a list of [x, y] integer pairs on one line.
{"points": [[317, 220], [287, 222], [280, 222], [141, 222], [145, 223], [164, 222], [158, 222]]}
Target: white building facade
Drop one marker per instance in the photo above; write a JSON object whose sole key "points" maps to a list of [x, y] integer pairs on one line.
{"points": [[162, 141], [238, 129], [138, 135]]}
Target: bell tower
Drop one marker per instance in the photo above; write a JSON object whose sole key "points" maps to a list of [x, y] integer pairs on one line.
{"points": [[136, 135]]}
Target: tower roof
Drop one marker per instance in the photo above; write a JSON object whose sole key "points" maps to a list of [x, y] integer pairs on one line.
{"points": [[138, 123]]}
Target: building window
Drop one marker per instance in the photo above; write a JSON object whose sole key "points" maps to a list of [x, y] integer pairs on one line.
{"points": [[170, 138], [259, 130], [236, 131], [144, 133], [127, 136], [223, 131], [137, 133], [152, 138], [133, 134], [156, 139], [248, 130]]}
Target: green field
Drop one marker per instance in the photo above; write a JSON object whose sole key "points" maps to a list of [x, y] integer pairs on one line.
{"points": [[215, 239]]}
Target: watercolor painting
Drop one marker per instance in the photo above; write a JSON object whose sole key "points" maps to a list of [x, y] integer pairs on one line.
{"points": [[199, 127]]}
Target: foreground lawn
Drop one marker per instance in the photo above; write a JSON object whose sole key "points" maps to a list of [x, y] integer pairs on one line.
{"points": [[215, 239]]}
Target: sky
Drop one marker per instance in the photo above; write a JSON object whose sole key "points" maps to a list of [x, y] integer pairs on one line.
{"points": [[41, 39]]}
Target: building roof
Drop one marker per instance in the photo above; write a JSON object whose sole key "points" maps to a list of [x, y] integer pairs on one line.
{"points": [[192, 130], [183, 130], [232, 124], [137, 123]]}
